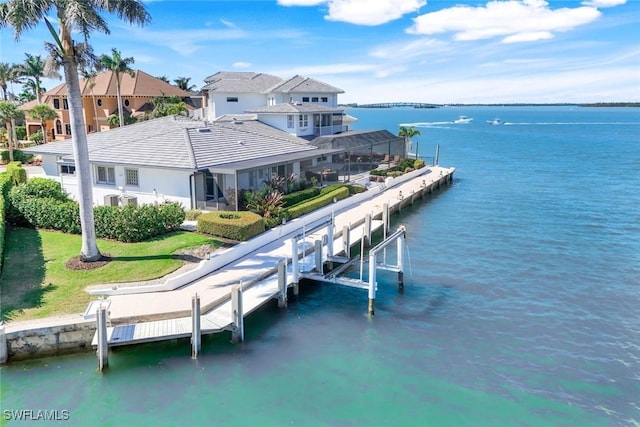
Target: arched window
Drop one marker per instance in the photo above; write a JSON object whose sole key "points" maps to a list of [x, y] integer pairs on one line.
{"points": [[58, 127], [99, 102]]}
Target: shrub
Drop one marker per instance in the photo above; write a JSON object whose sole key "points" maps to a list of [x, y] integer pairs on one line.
{"points": [[5, 186], [136, 224], [21, 132], [300, 196], [418, 164], [18, 156], [330, 188], [44, 188], [317, 202], [36, 137], [232, 225], [18, 174]]}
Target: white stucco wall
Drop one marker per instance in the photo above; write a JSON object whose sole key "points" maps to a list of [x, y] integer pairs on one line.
{"points": [[219, 106]]}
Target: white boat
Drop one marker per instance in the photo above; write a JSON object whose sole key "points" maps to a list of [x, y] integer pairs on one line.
{"points": [[463, 119], [495, 121]]}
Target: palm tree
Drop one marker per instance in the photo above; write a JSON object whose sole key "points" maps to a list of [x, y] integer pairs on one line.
{"points": [[164, 79], [90, 74], [81, 16], [43, 113], [34, 68], [118, 65], [183, 83], [9, 113], [8, 73], [407, 133]]}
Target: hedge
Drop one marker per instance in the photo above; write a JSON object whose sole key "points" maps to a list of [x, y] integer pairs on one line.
{"points": [[42, 203], [5, 186], [239, 226], [299, 196], [17, 173], [18, 156], [316, 203]]}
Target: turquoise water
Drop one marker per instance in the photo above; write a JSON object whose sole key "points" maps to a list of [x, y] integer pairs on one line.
{"points": [[520, 304]]}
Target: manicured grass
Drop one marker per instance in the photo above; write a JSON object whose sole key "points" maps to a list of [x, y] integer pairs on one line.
{"points": [[35, 282]]}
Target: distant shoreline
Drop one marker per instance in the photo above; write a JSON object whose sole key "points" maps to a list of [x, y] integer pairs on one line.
{"points": [[425, 105]]}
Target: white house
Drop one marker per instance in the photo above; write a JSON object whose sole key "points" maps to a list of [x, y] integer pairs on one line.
{"points": [[199, 164]]}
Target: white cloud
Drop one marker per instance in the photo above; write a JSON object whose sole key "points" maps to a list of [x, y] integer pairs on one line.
{"points": [[227, 24], [515, 20], [604, 3], [333, 69], [362, 12], [405, 51], [242, 64]]}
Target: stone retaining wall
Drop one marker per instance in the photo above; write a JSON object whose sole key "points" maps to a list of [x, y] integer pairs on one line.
{"points": [[49, 340]]}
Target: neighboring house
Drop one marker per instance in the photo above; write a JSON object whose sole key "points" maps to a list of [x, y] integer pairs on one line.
{"points": [[99, 101], [260, 127], [199, 164]]}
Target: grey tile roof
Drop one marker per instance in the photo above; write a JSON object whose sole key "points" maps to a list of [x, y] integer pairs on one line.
{"points": [[300, 84], [355, 139], [296, 108], [181, 143], [240, 82]]}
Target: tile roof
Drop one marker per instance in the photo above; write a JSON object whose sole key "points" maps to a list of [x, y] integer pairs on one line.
{"points": [[141, 84], [305, 107], [240, 82], [179, 142], [300, 84]]}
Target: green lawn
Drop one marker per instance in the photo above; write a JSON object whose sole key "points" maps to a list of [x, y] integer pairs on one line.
{"points": [[35, 282]]}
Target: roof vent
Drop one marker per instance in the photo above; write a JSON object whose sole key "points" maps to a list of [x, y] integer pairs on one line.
{"points": [[203, 130], [241, 142], [237, 122]]}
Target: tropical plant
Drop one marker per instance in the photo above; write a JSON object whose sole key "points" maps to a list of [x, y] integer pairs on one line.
{"points": [[166, 106], [81, 16], [8, 73], [43, 113], [114, 121], [9, 113], [408, 132], [118, 65], [164, 79], [183, 83], [36, 137], [34, 68], [266, 204]]}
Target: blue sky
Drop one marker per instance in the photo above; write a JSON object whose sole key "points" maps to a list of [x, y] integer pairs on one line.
{"points": [[435, 51]]}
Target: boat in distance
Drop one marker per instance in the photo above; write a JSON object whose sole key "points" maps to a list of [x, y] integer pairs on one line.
{"points": [[495, 121], [463, 119]]}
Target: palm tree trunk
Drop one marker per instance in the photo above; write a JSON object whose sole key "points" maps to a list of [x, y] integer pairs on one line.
{"points": [[89, 251], [120, 110]]}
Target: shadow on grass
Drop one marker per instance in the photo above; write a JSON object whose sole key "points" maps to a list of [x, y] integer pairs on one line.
{"points": [[182, 257], [23, 272]]}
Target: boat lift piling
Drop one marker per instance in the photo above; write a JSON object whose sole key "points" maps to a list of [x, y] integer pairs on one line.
{"points": [[237, 328], [103, 344], [196, 336], [398, 236]]}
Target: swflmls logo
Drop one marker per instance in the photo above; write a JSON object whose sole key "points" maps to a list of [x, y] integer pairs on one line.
{"points": [[38, 415]]}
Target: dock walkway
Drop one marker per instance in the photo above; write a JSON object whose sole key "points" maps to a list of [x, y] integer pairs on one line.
{"points": [[156, 316]]}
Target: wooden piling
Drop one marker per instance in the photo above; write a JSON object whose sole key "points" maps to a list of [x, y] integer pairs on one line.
{"points": [[294, 266], [237, 329], [317, 251], [346, 241], [367, 230], [196, 335], [103, 344], [4, 355], [282, 283]]}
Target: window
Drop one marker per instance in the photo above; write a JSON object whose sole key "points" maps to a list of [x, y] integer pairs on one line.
{"points": [[105, 175], [126, 102], [305, 99], [303, 120], [325, 99], [99, 102], [56, 104], [58, 127], [67, 128], [232, 99], [68, 169], [65, 103], [314, 99], [290, 121], [131, 177]]}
